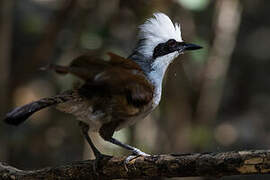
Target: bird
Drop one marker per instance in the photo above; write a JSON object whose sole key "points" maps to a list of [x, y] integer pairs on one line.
{"points": [[119, 91]]}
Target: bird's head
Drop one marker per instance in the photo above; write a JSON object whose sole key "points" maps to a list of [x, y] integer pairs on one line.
{"points": [[160, 41]]}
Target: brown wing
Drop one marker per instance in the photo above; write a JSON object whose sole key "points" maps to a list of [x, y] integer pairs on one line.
{"points": [[122, 86], [123, 62], [88, 66], [118, 81], [84, 67]]}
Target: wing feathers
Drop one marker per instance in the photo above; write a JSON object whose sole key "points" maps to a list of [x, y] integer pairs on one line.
{"points": [[117, 76]]}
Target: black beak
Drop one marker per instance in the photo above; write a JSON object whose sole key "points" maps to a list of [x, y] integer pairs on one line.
{"points": [[189, 46], [183, 46]]}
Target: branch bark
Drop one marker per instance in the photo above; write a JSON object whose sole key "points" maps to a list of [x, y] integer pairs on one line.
{"points": [[172, 165]]}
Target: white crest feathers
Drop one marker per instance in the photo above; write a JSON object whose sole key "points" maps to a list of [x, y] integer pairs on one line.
{"points": [[155, 30]]}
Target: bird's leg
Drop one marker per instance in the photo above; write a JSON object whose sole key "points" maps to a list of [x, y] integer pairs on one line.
{"points": [[106, 132], [84, 128], [99, 156], [134, 150]]}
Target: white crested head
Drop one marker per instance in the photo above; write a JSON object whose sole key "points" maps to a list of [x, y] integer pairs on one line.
{"points": [[160, 42], [156, 30]]}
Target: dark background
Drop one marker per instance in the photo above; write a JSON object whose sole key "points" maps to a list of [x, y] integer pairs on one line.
{"points": [[216, 99]]}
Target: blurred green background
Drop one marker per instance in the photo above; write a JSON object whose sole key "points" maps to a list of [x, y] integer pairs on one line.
{"points": [[216, 99]]}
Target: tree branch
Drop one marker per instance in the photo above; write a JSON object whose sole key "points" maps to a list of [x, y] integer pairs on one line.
{"points": [[173, 165]]}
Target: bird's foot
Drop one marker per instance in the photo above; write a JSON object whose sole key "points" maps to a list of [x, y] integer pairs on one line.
{"points": [[136, 153]]}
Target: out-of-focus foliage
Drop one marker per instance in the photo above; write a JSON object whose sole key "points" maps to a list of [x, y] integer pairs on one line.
{"points": [[235, 114], [197, 5]]}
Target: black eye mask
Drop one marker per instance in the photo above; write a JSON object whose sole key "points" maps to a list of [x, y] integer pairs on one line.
{"points": [[166, 48], [171, 46]]}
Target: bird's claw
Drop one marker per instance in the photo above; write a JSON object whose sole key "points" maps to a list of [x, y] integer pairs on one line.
{"points": [[137, 153]]}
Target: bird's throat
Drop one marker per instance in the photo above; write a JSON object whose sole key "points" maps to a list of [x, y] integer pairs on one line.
{"points": [[155, 70]]}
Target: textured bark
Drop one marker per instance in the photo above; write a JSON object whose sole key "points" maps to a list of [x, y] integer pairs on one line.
{"points": [[173, 165]]}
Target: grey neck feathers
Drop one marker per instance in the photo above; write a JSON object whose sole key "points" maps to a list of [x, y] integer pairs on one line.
{"points": [[142, 61], [154, 69]]}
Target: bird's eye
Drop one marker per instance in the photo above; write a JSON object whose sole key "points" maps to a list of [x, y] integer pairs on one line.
{"points": [[172, 43]]}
